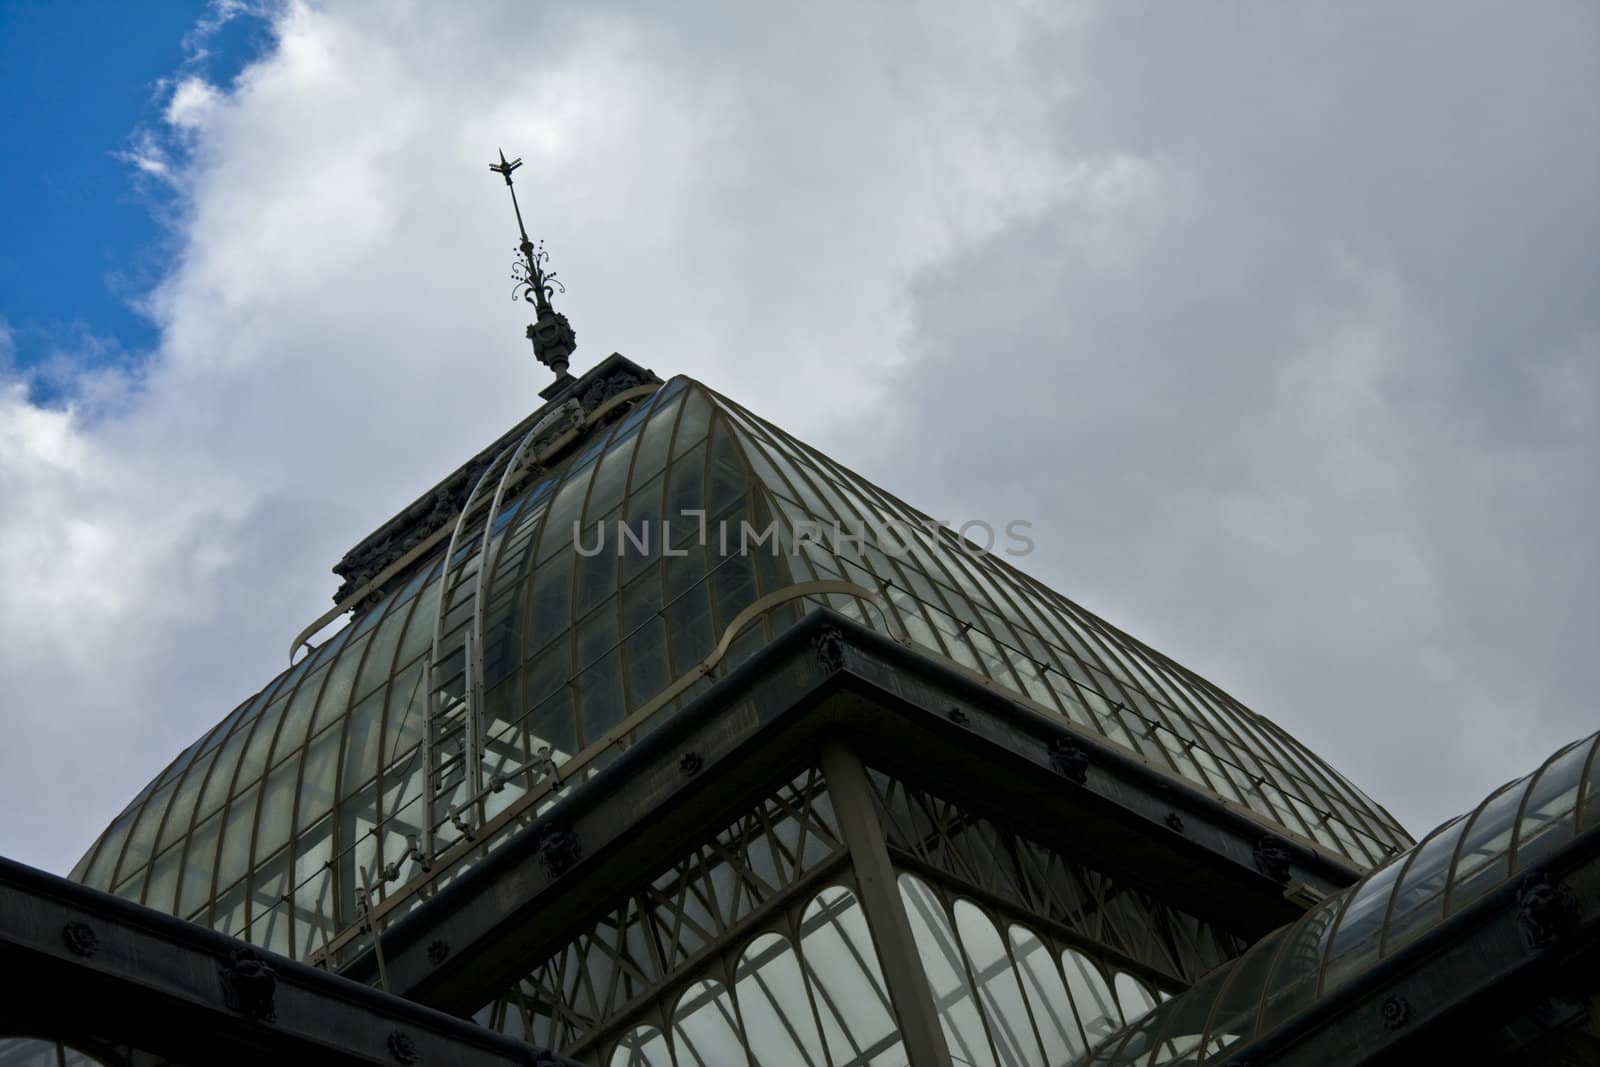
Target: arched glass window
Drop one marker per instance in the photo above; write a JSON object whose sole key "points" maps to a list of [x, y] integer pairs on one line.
{"points": [[644, 1046], [705, 1028], [999, 993], [841, 966], [1097, 1009], [1132, 996], [940, 953], [1048, 999], [774, 1007]]}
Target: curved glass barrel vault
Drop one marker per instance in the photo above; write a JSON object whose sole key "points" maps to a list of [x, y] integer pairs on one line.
{"points": [[1520, 824], [305, 803]]}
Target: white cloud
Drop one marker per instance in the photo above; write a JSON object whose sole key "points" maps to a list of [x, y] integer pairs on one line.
{"points": [[336, 328], [147, 154], [193, 101], [952, 217]]}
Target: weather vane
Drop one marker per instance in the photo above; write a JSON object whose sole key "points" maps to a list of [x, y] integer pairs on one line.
{"points": [[552, 335]]}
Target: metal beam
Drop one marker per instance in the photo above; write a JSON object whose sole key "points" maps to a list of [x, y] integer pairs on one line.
{"points": [[881, 903], [86, 966]]}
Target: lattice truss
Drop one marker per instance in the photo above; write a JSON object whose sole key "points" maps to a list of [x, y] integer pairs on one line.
{"points": [[940, 838], [666, 926]]}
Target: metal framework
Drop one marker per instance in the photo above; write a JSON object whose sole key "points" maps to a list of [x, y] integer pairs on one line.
{"points": [[137, 987], [831, 805], [1505, 897], [336, 775], [747, 731]]}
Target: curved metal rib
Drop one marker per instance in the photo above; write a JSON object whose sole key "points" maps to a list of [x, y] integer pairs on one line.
{"points": [[472, 768]]}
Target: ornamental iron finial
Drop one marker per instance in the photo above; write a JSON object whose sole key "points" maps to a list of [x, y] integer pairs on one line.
{"points": [[552, 335]]}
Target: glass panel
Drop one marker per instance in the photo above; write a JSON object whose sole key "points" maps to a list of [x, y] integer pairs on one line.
{"points": [[255, 753], [705, 1030], [313, 888], [1355, 942], [364, 734], [1134, 999], [610, 475], [335, 697], [269, 912], [1240, 1003], [240, 824], [321, 776], [841, 967], [142, 843], [693, 423], [1481, 860], [642, 1047], [947, 973], [1047, 997], [380, 657], [277, 809], [110, 847], [402, 728], [1294, 979], [198, 866], [771, 992], [1091, 997], [184, 798], [1185, 1020], [221, 780], [1422, 884], [550, 601], [1589, 794], [653, 443], [558, 521], [999, 992], [297, 720], [163, 883], [1547, 817]]}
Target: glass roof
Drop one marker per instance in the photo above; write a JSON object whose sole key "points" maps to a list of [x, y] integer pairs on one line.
{"points": [[308, 801], [1518, 825]]}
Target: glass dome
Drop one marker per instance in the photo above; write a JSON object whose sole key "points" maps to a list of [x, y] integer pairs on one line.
{"points": [[1517, 826], [310, 801]]}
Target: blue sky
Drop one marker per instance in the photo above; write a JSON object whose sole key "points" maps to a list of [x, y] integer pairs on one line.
{"points": [[1278, 324], [84, 236]]}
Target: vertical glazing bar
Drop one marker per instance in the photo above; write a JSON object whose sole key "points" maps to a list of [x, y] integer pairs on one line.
{"points": [[474, 732], [372, 928], [880, 901], [429, 802]]}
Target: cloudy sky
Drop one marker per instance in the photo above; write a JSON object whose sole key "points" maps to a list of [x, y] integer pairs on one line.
{"points": [[1279, 322]]}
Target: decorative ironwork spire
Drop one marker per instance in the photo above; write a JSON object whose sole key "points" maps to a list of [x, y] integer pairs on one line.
{"points": [[552, 335]]}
